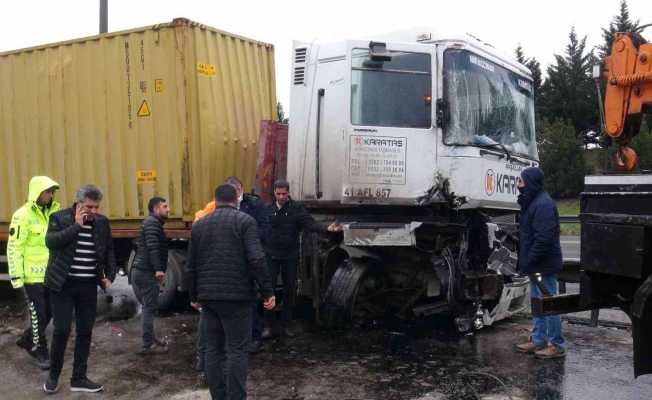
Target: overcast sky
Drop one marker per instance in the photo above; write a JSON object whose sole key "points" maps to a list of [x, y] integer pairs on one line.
{"points": [[541, 27]]}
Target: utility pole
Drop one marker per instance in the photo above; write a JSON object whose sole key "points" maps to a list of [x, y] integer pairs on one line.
{"points": [[104, 16]]}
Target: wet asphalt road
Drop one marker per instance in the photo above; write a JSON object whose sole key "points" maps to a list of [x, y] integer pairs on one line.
{"points": [[422, 361], [570, 247]]}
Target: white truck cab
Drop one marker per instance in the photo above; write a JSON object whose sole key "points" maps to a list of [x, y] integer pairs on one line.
{"points": [[393, 121]]}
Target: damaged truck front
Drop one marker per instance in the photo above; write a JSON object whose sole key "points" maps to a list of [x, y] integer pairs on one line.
{"points": [[414, 143]]}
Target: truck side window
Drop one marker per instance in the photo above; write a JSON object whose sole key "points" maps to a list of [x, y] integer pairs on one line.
{"points": [[395, 93]]}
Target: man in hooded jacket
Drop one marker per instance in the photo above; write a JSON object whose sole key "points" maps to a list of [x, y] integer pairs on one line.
{"points": [[540, 258], [27, 257]]}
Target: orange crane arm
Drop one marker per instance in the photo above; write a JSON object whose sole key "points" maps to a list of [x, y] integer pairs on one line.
{"points": [[628, 72]]}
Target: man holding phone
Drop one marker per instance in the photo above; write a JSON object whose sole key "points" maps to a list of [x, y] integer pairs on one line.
{"points": [[81, 258]]}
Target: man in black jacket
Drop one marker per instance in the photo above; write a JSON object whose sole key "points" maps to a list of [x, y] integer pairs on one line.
{"points": [[287, 219], [149, 268], [226, 258], [81, 258], [253, 206]]}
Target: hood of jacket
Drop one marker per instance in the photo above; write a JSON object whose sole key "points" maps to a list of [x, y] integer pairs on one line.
{"points": [[38, 185]]}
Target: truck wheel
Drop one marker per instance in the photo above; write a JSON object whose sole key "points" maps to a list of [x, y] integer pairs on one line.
{"points": [[172, 281], [130, 264], [348, 298]]}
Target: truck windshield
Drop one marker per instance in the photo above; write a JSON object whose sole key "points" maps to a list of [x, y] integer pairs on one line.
{"points": [[395, 93], [488, 104]]}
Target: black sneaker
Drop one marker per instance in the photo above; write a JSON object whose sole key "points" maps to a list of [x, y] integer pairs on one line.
{"points": [[153, 349], [42, 358], [199, 363], [51, 386], [85, 385], [255, 346], [289, 333]]}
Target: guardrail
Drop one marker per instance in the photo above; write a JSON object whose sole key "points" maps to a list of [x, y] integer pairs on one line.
{"points": [[569, 219]]}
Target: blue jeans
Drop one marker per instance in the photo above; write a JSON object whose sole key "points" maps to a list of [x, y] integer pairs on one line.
{"points": [[546, 329]]}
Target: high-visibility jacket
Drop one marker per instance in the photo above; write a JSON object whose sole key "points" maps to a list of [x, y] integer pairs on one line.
{"points": [[27, 254], [208, 209]]}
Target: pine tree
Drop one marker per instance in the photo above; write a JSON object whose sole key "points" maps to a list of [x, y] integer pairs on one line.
{"points": [[535, 68], [619, 23], [520, 55], [569, 93], [280, 113]]}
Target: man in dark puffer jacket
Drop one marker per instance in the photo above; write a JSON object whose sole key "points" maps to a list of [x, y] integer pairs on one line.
{"points": [[149, 268], [540, 253], [226, 258]]}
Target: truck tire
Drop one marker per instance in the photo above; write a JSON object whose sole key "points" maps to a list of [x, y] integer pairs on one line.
{"points": [[130, 264], [173, 276], [340, 295]]}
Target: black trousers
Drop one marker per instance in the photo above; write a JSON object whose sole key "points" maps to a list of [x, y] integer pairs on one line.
{"points": [[287, 267], [80, 298], [226, 330], [40, 314]]}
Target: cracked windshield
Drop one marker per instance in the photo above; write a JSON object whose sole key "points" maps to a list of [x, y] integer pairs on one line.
{"points": [[488, 105]]}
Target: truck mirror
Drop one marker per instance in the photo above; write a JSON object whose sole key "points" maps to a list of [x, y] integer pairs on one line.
{"points": [[378, 51]]}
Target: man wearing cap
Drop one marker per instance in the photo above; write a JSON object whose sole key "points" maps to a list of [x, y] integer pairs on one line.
{"points": [[27, 257]]}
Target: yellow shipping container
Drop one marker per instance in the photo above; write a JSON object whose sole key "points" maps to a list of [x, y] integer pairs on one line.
{"points": [[167, 110]]}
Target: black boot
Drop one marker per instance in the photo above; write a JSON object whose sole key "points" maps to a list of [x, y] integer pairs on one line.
{"points": [[267, 333], [42, 357]]}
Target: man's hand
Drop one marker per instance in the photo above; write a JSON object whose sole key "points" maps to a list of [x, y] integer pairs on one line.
{"points": [[196, 306], [335, 227], [270, 303], [105, 283], [79, 215], [160, 276]]}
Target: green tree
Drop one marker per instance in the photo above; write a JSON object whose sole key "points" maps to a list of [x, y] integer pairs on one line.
{"points": [[562, 159], [569, 92], [535, 68], [621, 22], [280, 113], [642, 144]]}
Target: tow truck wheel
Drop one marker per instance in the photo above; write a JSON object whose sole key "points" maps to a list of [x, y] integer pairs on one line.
{"points": [[351, 295]]}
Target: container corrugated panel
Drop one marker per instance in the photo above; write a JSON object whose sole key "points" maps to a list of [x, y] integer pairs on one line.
{"points": [[168, 110]]}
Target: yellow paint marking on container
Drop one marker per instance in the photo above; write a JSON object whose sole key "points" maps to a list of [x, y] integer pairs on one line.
{"points": [[206, 69], [158, 85], [146, 175]]}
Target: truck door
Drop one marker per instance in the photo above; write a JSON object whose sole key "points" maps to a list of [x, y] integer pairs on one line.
{"points": [[390, 144]]}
